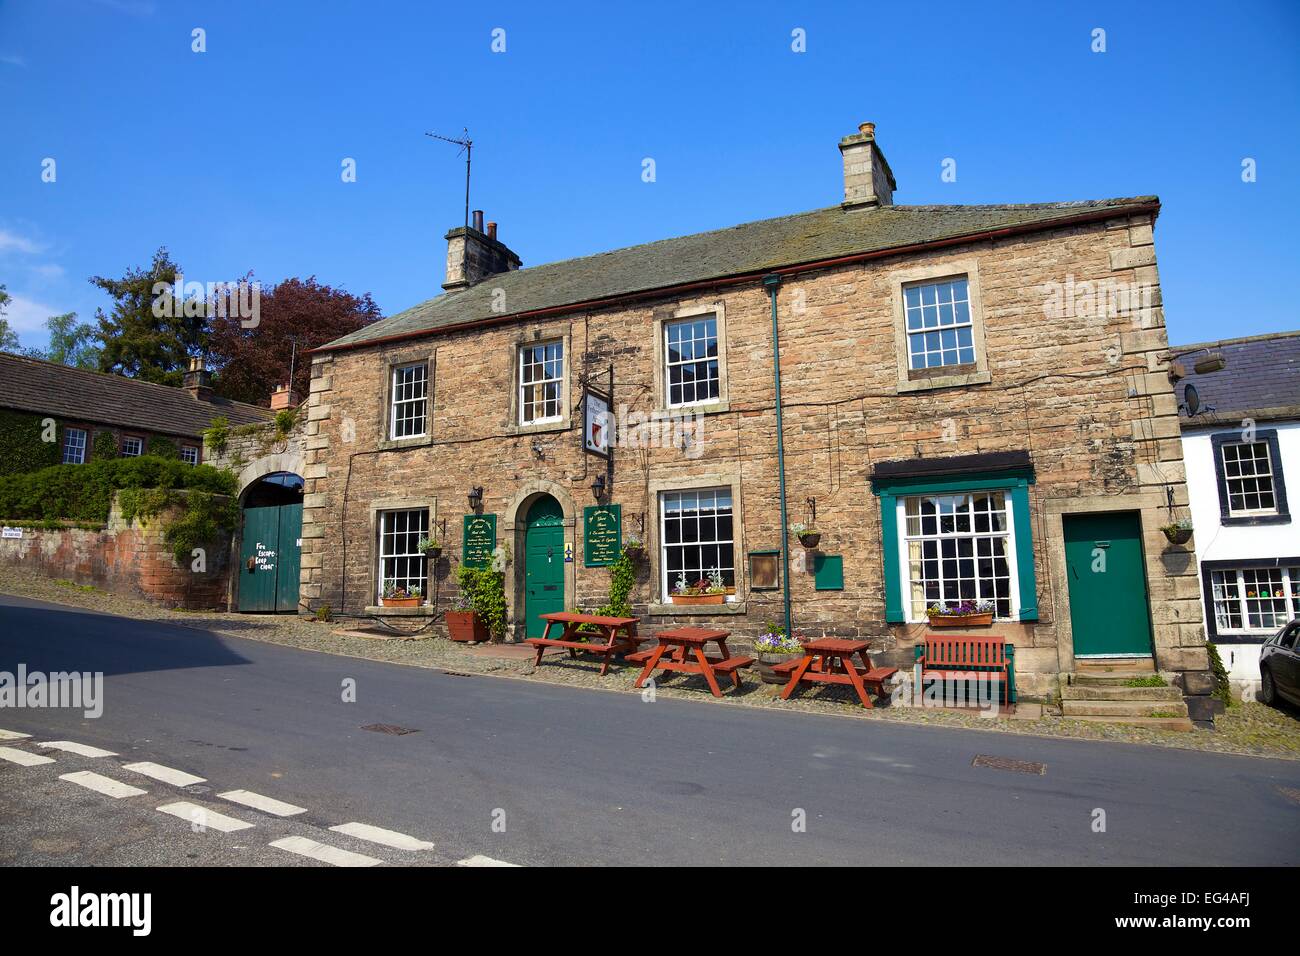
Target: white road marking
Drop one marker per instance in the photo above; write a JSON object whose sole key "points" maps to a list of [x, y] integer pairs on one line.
{"points": [[398, 841], [479, 860], [12, 735], [81, 750], [325, 854], [178, 778], [258, 802], [101, 784], [204, 817], [22, 757]]}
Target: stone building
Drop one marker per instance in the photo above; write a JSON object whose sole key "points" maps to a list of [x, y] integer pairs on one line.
{"points": [[974, 401]]}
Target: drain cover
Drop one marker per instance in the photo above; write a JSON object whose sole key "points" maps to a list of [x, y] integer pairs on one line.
{"points": [[393, 729], [1007, 763]]}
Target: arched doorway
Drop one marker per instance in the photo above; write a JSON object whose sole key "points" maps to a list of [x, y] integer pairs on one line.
{"points": [[543, 562], [271, 544]]}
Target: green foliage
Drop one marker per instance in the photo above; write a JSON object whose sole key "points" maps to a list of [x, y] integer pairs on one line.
{"points": [[622, 576], [71, 342], [1222, 689], [486, 592], [323, 613], [104, 447], [161, 447], [21, 448], [285, 420], [85, 492], [217, 435], [1152, 680], [200, 515]]}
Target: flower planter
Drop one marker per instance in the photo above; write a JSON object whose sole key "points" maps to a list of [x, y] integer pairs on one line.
{"points": [[433, 554], [1178, 535], [466, 627], [634, 553], [698, 598], [764, 666], [401, 602], [961, 620], [810, 540]]}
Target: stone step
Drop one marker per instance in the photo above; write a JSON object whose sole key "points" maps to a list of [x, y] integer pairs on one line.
{"points": [[1160, 723], [1114, 678], [1107, 665], [1119, 692], [1123, 708]]}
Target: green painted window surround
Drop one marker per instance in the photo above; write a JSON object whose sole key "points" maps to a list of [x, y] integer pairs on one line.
{"points": [[1014, 481]]}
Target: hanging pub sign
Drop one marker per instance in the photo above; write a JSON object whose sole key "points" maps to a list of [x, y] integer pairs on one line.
{"points": [[480, 540], [602, 535], [597, 423]]}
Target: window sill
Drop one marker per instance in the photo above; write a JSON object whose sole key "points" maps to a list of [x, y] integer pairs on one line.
{"points": [[696, 610], [562, 425], [944, 381], [380, 610], [712, 408], [1227, 521], [388, 444]]}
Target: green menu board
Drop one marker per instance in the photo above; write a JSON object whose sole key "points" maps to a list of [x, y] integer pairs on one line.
{"points": [[480, 540], [602, 535]]}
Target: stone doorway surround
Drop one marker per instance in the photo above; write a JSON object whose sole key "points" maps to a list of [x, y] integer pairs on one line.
{"points": [[516, 527], [291, 460], [1167, 636]]}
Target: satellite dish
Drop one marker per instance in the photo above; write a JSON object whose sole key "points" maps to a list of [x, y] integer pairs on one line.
{"points": [[1192, 399]]}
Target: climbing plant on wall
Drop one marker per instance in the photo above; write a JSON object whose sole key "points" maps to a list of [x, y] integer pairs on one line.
{"points": [[21, 446]]}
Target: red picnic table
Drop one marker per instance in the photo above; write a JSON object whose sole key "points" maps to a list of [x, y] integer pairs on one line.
{"points": [[676, 648], [830, 661], [614, 635]]}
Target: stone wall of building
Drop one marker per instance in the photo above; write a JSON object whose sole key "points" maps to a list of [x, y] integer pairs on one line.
{"points": [[1085, 393], [125, 557]]}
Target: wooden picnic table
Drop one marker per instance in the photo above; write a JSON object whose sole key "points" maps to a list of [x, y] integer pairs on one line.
{"points": [[677, 647], [831, 661], [614, 635]]}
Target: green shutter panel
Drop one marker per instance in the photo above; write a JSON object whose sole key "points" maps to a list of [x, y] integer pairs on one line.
{"points": [[893, 575], [1024, 535]]}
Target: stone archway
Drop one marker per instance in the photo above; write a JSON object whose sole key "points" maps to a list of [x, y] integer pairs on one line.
{"points": [[516, 527]]}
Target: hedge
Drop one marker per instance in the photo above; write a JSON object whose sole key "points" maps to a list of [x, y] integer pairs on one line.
{"points": [[85, 492], [21, 447]]}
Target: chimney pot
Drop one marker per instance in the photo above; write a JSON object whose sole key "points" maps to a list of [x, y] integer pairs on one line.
{"points": [[867, 129], [477, 219], [492, 230]]}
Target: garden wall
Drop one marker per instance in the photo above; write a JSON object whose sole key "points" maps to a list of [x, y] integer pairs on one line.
{"points": [[125, 557]]}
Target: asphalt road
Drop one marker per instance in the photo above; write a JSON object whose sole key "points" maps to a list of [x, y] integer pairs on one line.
{"points": [[537, 774]]}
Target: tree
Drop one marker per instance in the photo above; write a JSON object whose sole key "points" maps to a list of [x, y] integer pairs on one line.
{"points": [[152, 331], [294, 316], [71, 342], [8, 337]]}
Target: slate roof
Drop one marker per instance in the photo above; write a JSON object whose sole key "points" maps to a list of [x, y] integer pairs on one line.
{"points": [[1262, 372], [750, 248], [73, 394]]}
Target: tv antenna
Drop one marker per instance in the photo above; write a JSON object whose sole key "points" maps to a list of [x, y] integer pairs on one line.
{"points": [[467, 147]]}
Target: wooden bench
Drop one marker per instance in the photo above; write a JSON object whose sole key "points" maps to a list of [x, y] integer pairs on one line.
{"points": [[613, 635], [959, 656], [682, 650]]}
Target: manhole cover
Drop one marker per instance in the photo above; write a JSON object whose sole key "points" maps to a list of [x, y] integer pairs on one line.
{"points": [[393, 729], [1007, 763]]}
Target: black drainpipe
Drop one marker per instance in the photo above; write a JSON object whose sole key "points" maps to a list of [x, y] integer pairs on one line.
{"points": [[772, 282]]}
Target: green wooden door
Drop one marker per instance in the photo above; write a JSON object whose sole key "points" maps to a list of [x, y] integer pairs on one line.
{"points": [[259, 558], [543, 563], [286, 575], [1109, 611]]}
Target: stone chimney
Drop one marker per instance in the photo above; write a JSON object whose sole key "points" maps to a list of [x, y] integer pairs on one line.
{"points": [[283, 397], [198, 381], [868, 180], [473, 255]]}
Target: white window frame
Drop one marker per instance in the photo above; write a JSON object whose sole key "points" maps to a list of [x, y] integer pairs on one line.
{"points": [[384, 522], [523, 361], [918, 312], [77, 448], [1229, 479], [190, 454], [905, 557], [396, 403], [126, 444], [1290, 581], [667, 578], [669, 364]]}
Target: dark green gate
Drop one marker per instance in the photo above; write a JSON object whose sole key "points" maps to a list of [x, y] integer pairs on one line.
{"points": [[270, 558]]}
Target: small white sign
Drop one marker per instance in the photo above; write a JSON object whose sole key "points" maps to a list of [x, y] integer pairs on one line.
{"points": [[8, 532]]}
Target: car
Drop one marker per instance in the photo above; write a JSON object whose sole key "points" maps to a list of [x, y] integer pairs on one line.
{"points": [[1279, 666]]}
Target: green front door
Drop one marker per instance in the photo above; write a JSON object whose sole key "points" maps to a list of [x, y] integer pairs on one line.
{"points": [[1109, 612], [269, 558], [543, 563]]}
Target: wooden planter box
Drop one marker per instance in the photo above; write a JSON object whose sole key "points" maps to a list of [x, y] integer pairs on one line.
{"points": [[401, 602], [961, 620], [698, 598], [466, 627]]}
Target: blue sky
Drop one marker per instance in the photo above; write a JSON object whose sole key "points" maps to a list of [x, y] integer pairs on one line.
{"points": [[232, 158]]}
